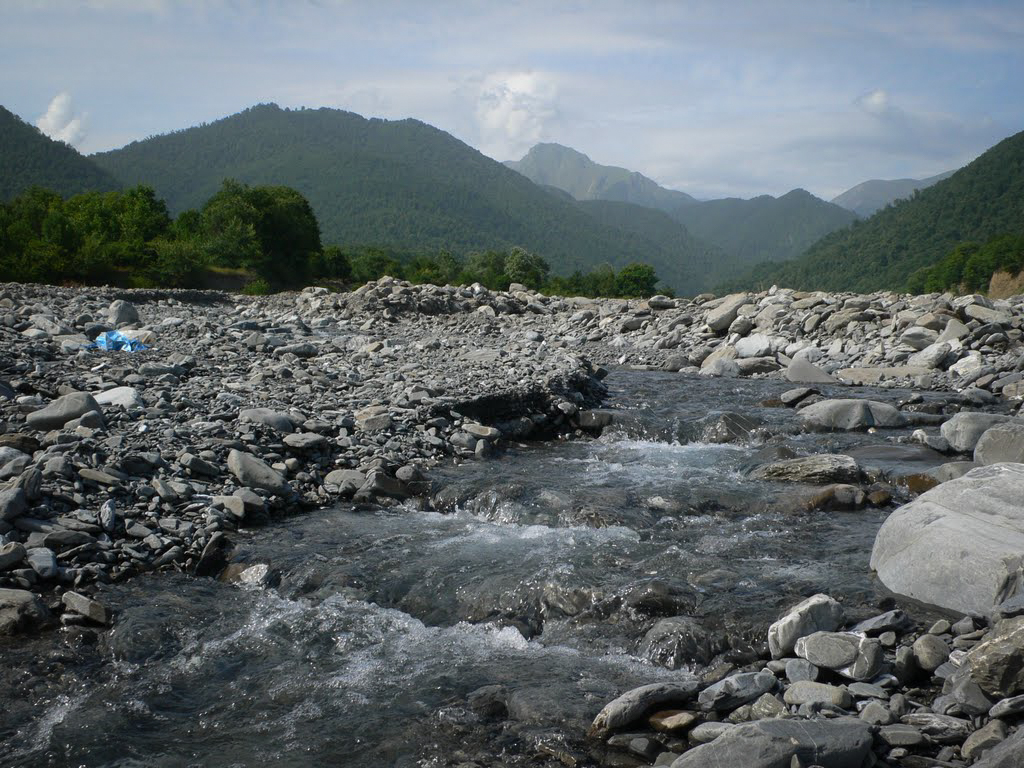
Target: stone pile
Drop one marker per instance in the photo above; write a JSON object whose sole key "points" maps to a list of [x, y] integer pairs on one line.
{"points": [[836, 693]]}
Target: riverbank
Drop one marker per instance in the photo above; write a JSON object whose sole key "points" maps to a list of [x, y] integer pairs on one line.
{"points": [[248, 409]]}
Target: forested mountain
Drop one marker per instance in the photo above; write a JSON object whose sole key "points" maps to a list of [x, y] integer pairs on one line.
{"points": [[399, 184], [870, 196], [573, 172], [30, 158], [983, 200], [763, 228]]}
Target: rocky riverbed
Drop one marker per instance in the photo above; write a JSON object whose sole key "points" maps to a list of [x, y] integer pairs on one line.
{"points": [[246, 410]]}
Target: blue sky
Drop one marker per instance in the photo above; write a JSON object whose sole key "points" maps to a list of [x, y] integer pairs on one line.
{"points": [[723, 98]]}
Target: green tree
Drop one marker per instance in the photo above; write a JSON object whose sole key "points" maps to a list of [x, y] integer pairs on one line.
{"points": [[636, 280]]}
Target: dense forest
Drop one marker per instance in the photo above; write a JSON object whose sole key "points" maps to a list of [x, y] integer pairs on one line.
{"points": [[983, 200], [970, 266], [399, 185], [266, 236], [29, 158], [763, 228]]}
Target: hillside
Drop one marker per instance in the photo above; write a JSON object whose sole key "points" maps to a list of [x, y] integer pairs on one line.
{"points": [[399, 184], [980, 201], [573, 172], [695, 265], [870, 196], [30, 158], [764, 228]]}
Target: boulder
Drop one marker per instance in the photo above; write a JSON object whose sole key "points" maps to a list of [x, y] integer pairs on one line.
{"points": [[676, 641], [279, 422], [634, 704], [849, 414], [852, 656], [802, 371], [1009, 754], [1001, 443], [931, 356], [997, 664], [62, 410], [958, 545], [963, 431], [754, 345], [721, 317], [816, 613], [736, 690], [783, 743], [255, 473], [814, 470], [122, 313], [125, 397], [19, 610]]}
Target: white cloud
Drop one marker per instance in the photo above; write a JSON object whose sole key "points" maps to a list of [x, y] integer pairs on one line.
{"points": [[60, 121], [514, 111], [875, 102]]}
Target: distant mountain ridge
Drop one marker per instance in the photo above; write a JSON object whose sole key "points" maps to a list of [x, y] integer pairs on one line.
{"points": [[399, 184], [30, 158], [870, 196], [982, 200], [573, 172]]}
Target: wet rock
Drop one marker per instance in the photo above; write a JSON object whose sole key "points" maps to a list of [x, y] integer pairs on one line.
{"points": [[634, 704], [61, 411], [255, 473], [348, 480], [91, 609], [676, 641], [817, 613], [814, 470], [776, 743], [958, 545], [20, 610], [829, 415], [736, 690]]}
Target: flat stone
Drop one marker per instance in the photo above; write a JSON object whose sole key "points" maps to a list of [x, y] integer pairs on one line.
{"points": [[958, 545], [43, 561], [279, 422], [305, 441], [721, 317], [124, 397], [983, 739], [61, 411], [349, 480], [91, 609], [901, 735], [815, 470], [776, 743], [11, 554], [255, 473], [672, 720], [802, 371], [942, 729]]}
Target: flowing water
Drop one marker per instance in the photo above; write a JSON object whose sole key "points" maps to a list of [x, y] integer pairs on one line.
{"points": [[487, 633]]}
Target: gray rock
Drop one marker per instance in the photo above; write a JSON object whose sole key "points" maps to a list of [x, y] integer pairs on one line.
{"points": [[736, 690], [942, 729], [255, 473], [930, 652], [808, 692], [19, 610], [303, 350], [802, 371], [279, 422], [1009, 754], [775, 744], [62, 410], [755, 345], [1002, 442], [43, 561], [801, 669], [91, 609], [895, 620], [989, 735], [815, 470], [997, 664], [125, 397], [816, 613], [901, 735], [964, 429], [122, 313], [676, 641], [13, 504], [305, 441], [721, 317], [348, 480], [931, 356], [850, 414], [633, 704], [958, 545], [858, 658], [11, 553]]}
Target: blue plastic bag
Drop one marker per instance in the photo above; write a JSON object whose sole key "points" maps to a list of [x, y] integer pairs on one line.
{"points": [[115, 341]]}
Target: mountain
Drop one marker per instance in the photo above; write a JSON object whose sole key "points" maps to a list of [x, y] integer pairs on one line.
{"points": [[870, 196], [763, 228], [980, 201], [697, 266], [398, 184], [573, 172], [30, 158]]}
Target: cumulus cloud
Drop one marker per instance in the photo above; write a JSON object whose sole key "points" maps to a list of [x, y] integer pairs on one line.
{"points": [[514, 111], [60, 121]]}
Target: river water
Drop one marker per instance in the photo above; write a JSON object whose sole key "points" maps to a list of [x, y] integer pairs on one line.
{"points": [[486, 631]]}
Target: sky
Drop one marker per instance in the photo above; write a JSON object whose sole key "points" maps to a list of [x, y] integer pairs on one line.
{"points": [[712, 98]]}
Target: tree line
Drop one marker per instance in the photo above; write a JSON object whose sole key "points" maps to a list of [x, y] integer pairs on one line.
{"points": [[267, 235]]}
